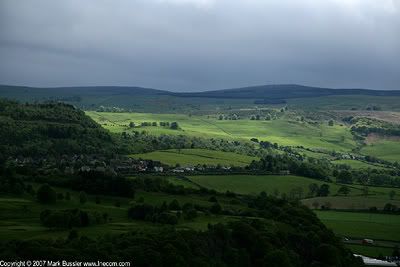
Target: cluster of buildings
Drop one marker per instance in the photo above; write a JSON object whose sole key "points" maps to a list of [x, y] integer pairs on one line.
{"points": [[72, 164], [85, 163]]}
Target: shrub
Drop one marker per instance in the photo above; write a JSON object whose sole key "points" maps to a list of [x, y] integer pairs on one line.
{"points": [[46, 194]]}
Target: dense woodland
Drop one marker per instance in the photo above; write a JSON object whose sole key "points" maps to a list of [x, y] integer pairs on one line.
{"points": [[49, 129]]}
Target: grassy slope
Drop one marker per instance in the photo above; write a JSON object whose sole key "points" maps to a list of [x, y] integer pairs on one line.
{"points": [[254, 184], [370, 251], [346, 102], [282, 131], [193, 157], [384, 149], [362, 225], [19, 216], [350, 202], [356, 164]]}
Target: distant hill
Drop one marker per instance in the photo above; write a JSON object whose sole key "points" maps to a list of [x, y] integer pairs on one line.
{"points": [[42, 93], [279, 91], [285, 91], [152, 100]]}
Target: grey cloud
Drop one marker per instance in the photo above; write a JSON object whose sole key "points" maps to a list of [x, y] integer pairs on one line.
{"points": [[200, 44]]}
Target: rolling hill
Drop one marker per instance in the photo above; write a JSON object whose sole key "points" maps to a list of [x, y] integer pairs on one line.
{"points": [[153, 100]]}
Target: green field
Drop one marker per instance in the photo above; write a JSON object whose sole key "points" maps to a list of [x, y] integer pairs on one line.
{"points": [[383, 149], [183, 182], [250, 184], [193, 157], [254, 184], [312, 154], [362, 225], [357, 164], [345, 102], [350, 202], [283, 131], [370, 251]]}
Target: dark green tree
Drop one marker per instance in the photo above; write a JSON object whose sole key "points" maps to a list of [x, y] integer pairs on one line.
{"points": [[82, 197], [46, 194]]}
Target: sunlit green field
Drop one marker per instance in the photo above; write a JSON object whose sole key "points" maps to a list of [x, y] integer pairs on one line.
{"points": [[282, 131], [357, 164], [192, 157], [384, 149]]}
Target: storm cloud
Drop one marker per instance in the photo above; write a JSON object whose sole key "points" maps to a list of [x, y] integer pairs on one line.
{"points": [[186, 45]]}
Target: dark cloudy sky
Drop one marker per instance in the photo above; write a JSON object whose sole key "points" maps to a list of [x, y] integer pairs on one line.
{"points": [[188, 45]]}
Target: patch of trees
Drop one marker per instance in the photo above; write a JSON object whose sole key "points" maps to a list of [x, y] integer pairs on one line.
{"points": [[111, 109], [373, 107], [323, 170], [375, 177], [46, 194], [71, 218], [172, 125], [391, 208], [269, 101], [318, 191], [99, 183], [365, 126], [232, 116], [11, 184], [141, 142], [50, 129], [147, 212], [94, 182], [172, 212], [279, 163]]}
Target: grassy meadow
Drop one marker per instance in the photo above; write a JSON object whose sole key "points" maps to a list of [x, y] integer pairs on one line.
{"points": [[283, 131], [385, 149], [360, 225], [350, 202], [345, 102], [357, 164], [254, 184], [192, 157], [283, 184]]}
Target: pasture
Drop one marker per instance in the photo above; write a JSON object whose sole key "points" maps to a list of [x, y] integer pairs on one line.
{"points": [[357, 164], [370, 251], [284, 184], [384, 149], [254, 184], [345, 102], [362, 225], [352, 202], [283, 131], [193, 157]]}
